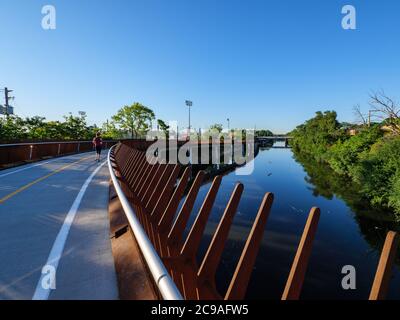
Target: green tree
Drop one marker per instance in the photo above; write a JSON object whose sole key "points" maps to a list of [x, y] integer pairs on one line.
{"points": [[136, 119], [263, 133], [55, 130], [316, 135], [12, 128], [394, 197], [75, 127], [378, 173], [345, 155], [36, 128], [216, 127], [110, 131], [162, 126]]}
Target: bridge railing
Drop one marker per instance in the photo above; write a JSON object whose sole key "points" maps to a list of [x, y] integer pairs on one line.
{"points": [[150, 194], [23, 152], [160, 275]]}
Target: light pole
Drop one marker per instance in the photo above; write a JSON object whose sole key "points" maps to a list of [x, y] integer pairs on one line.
{"points": [[189, 104], [229, 125]]}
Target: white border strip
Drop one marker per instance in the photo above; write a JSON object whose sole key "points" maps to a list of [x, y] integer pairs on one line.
{"points": [[58, 246]]}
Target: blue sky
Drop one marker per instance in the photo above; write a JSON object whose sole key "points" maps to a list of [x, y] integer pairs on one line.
{"points": [[266, 63]]}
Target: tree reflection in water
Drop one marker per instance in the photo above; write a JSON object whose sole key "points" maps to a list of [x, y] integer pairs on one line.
{"points": [[374, 223]]}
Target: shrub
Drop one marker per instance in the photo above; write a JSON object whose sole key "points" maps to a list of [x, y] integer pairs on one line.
{"points": [[345, 155], [379, 173], [316, 135]]}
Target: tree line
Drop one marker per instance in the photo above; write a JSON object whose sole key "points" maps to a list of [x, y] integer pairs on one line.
{"points": [[368, 153], [16, 129], [131, 121]]}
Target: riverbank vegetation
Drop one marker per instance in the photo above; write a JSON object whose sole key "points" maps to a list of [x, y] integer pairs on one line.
{"points": [[368, 154], [16, 129]]}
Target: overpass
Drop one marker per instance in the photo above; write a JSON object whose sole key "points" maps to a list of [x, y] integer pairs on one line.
{"points": [[277, 137], [273, 139]]}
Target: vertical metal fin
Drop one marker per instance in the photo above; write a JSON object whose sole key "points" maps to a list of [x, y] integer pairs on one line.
{"points": [[175, 236], [380, 286], [146, 182], [241, 277], [212, 257], [296, 277], [130, 171], [150, 188], [168, 216], [134, 182], [165, 195], [157, 190], [145, 171], [193, 240]]}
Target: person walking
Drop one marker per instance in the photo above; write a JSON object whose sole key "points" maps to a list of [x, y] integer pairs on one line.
{"points": [[98, 145]]}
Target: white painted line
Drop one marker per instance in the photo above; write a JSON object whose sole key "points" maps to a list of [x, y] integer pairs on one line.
{"points": [[37, 165], [26, 168], [42, 291]]}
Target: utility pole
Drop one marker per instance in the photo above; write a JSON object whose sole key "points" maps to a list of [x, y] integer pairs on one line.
{"points": [[7, 98]]}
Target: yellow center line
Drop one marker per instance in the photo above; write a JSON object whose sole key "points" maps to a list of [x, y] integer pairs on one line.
{"points": [[7, 197]]}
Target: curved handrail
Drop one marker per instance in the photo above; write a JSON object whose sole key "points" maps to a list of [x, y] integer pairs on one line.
{"points": [[165, 284]]}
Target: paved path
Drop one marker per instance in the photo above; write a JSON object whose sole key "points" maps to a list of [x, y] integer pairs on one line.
{"points": [[54, 215]]}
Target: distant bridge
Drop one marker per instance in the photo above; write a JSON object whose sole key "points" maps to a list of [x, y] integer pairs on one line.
{"points": [[283, 138], [276, 138]]}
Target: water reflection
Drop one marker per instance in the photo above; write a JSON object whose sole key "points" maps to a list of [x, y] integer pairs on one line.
{"points": [[374, 223], [349, 233]]}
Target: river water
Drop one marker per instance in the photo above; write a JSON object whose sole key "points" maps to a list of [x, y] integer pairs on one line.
{"points": [[349, 232]]}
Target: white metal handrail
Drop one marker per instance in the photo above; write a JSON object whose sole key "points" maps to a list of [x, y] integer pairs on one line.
{"points": [[165, 284]]}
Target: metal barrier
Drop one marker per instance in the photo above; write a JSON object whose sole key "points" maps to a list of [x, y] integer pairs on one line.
{"points": [[22, 152], [150, 195], [160, 275]]}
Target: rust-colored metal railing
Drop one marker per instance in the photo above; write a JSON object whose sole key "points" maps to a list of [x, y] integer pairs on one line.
{"points": [[380, 286], [22, 152], [154, 192]]}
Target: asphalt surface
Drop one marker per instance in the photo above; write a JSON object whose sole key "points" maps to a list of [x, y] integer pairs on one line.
{"points": [[46, 211]]}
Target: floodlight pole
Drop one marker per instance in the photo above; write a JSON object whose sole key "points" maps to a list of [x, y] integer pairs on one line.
{"points": [[189, 104]]}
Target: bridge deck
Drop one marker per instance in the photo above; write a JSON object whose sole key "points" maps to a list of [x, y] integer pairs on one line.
{"points": [[47, 217]]}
